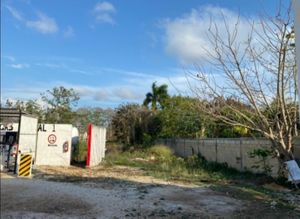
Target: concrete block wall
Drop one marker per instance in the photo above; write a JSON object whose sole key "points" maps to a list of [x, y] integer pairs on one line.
{"points": [[228, 151], [233, 151], [208, 149]]}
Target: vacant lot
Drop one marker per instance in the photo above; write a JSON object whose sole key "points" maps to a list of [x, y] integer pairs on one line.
{"points": [[124, 192]]}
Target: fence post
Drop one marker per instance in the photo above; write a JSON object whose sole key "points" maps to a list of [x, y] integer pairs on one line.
{"points": [[241, 155], [198, 151], [184, 147], [216, 145]]}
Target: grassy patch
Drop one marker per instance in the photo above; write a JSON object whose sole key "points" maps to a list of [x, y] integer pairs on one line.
{"points": [[80, 153], [159, 161]]}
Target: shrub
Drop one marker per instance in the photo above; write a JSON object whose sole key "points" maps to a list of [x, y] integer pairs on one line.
{"points": [[80, 151], [263, 155], [161, 152], [114, 147], [147, 140]]}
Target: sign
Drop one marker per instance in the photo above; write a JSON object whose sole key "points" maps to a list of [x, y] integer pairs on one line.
{"points": [[52, 140], [6, 127], [66, 146], [41, 128]]}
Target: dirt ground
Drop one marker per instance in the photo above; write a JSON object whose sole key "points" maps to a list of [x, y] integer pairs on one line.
{"points": [[119, 192]]}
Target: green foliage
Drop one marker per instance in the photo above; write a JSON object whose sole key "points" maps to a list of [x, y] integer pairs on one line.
{"points": [[263, 155], [96, 116], [159, 161], [80, 151], [59, 102], [147, 140], [180, 118], [132, 124], [216, 128], [113, 147], [161, 152], [273, 113], [30, 107]]}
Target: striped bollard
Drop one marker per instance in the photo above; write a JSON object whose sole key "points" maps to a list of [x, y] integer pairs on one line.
{"points": [[25, 165]]}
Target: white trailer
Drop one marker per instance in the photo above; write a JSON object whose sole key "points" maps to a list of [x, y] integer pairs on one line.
{"points": [[17, 136]]}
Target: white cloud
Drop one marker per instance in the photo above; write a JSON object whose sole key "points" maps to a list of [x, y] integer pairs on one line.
{"points": [[14, 12], [50, 65], [105, 18], [10, 58], [101, 95], [105, 7], [9, 100], [20, 66], [127, 93], [131, 86], [64, 67], [69, 32], [104, 12], [187, 36], [43, 24]]}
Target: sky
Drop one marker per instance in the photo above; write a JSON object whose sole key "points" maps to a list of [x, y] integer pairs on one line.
{"points": [[110, 52]]}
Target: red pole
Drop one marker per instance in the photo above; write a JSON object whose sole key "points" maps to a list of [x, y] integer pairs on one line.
{"points": [[89, 141]]}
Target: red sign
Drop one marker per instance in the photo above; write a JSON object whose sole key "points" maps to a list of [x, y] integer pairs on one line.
{"points": [[52, 139]]}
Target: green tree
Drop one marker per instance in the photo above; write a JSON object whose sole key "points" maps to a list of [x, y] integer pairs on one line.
{"points": [[30, 107], [180, 118], [60, 101], [133, 123], [217, 128], [157, 96], [96, 116]]}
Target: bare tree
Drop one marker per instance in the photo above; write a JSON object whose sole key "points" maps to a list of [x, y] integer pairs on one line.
{"points": [[259, 72]]}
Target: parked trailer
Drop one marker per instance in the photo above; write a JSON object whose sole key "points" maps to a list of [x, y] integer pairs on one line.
{"points": [[17, 136]]}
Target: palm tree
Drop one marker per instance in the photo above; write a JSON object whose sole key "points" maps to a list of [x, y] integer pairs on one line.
{"points": [[158, 96]]}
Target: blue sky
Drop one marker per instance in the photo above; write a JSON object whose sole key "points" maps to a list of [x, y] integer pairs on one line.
{"points": [[108, 51]]}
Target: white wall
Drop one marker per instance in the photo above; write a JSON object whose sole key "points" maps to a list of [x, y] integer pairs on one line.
{"points": [[52, 153], [27, 140], [96, 149]]}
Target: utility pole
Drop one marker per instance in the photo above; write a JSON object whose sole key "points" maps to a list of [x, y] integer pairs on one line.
{"points": [[296, 7]]}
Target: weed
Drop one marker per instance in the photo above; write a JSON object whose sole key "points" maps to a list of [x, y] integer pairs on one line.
{"points": [[161, 152], [80, 152], [159, 161], [263, 155]]}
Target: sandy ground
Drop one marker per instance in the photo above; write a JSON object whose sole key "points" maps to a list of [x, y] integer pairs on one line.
{"points": [[112, 193]]}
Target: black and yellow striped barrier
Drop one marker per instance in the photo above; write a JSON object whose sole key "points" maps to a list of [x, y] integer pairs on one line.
{"points": [[25, 165]]}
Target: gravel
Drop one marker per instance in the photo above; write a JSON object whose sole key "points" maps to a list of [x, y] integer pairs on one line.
{"points": [[35, 198]]}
